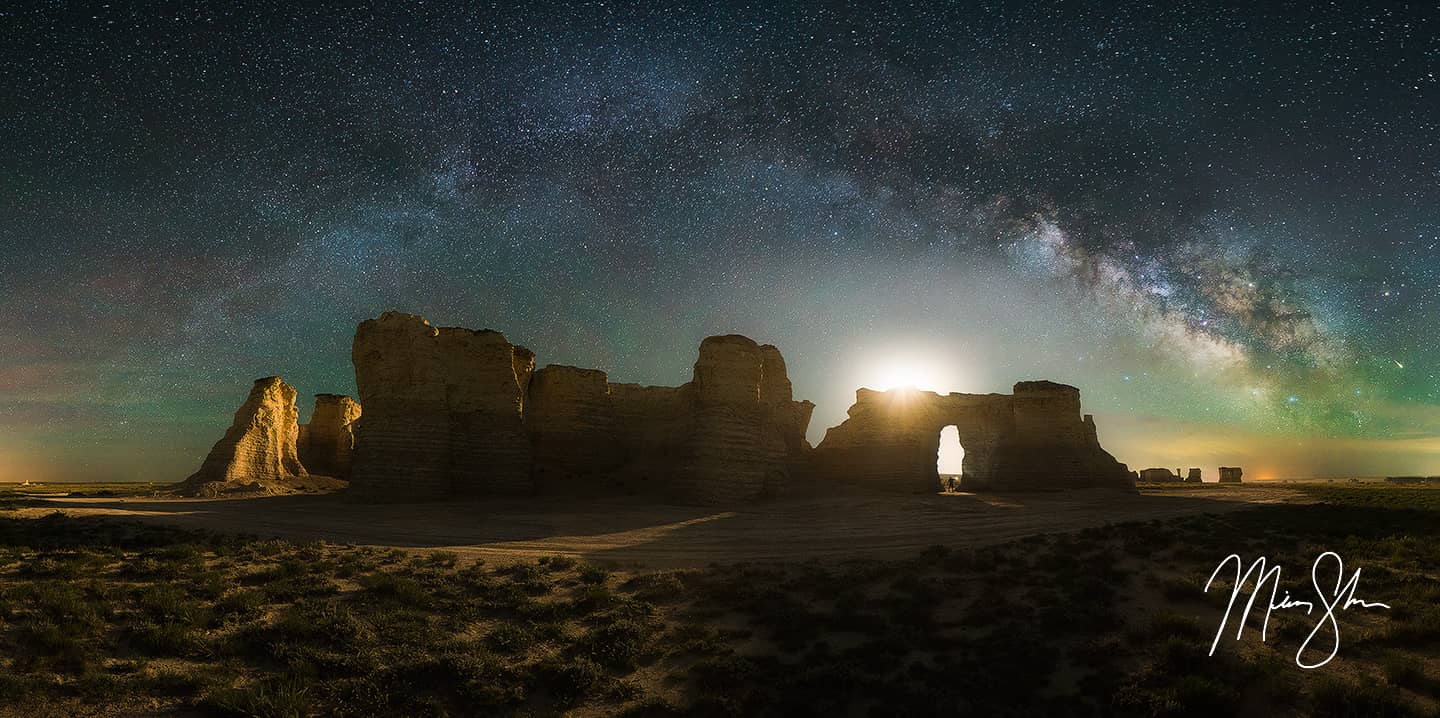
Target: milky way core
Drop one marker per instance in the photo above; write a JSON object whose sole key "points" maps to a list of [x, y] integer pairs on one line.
{"points": [[1220, 223]]}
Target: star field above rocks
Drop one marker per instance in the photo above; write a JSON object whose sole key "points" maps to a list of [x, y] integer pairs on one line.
{"points": [[1218, 221]]}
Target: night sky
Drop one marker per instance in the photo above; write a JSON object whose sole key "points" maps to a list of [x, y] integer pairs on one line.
{"points": [[1220, 222]]}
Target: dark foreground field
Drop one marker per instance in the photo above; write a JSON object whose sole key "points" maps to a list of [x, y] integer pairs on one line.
{"points": [[102, 615], [632, 531]]}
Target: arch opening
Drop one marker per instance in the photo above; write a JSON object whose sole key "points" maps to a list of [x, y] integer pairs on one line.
{"points": [[950, 458]]}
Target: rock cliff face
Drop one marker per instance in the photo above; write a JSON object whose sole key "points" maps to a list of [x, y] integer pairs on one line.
{"points": [[259, 449], [442, 410], [1157, 475], [1230, 474], [453, 412], [743, 424], [325, 444], [1035, 438], [570, 418], [651, 427], [1193, 477]]}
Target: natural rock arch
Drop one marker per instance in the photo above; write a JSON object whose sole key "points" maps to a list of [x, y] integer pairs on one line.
{"points": [[1034, 438], [950, 456], [452, 412]]}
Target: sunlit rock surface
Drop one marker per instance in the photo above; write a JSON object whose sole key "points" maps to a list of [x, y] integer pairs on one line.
{"points": [[258, 452]]}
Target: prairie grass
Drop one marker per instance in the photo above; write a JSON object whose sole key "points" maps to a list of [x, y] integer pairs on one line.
{"points": [[101, 616]]}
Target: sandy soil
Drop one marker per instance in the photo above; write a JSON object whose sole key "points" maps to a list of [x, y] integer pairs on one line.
{"points": [[624, 532]]}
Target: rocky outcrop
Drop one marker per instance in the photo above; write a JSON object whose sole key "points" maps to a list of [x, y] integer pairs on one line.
{"points": [[789, 418], [1035, 438], [651, 425], [570, 419], [1230, 474], [731, 434], [453, 412], [743, 423], [1155, 475], [1193, 477], [325, 444], [485, 378], [258, 452], [442, 410]]}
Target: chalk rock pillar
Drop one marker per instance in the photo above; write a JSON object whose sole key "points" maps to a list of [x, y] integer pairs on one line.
{"points": [[1035, 438], [486, 378], [260, 444], [747, 435], [724, 457], [326, 442], [442, 411]]}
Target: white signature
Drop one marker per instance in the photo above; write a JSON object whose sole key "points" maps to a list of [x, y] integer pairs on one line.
{"points": [[1342, 598]]}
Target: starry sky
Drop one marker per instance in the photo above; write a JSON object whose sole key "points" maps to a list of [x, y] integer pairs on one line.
{"points": [[1219, 221]]}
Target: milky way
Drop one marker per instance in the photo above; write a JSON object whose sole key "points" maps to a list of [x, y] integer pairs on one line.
{"points": [[1221, 224]]}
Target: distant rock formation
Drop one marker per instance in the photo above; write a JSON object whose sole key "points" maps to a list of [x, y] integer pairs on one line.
{"points": [[456, 412], [1230, 474], [1155, 475], [258, 452], [1193, 477], [325, 444], [1411, 479], [1035, 438]]}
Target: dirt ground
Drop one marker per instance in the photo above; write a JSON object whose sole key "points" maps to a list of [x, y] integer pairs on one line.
{"points": [[634, 533]]}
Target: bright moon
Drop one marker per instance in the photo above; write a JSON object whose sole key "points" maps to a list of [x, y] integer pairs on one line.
{"points": [[910, 374]]}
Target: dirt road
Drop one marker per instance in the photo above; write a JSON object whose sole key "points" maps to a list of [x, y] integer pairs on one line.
{"points": [[624, 532]]}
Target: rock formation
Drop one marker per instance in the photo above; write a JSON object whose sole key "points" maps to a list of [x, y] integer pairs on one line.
{"points": [[1156, 475], [442, 410], [570, 418], [326, 442], [258, 452], [455, 412], [745, 433], [1035, 438], [1193, 477], [1230, 474]]}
